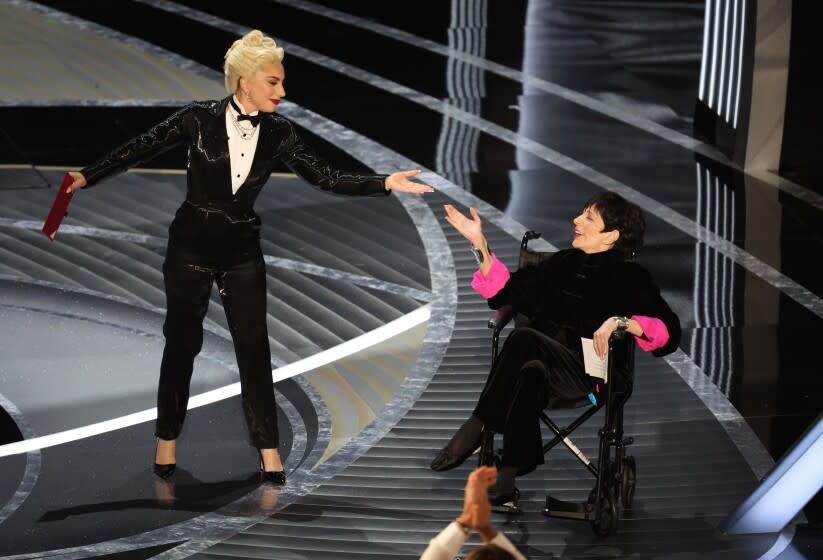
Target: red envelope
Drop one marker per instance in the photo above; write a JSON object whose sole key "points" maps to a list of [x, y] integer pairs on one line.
{"points": [[58, 208]]}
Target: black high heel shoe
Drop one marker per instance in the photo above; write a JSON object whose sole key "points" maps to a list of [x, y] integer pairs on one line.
{"points": [[275, 477], [163, 471]]}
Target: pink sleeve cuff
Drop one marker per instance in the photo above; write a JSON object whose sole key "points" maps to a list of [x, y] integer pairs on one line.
{"points": [[655, 333], [487, 286]]}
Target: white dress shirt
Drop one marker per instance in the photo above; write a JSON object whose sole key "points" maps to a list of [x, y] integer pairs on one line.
{"points": [[241, 149], [447, 544]]}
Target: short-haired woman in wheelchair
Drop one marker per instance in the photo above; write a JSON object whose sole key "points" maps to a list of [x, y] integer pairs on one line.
{"points": [[587, 291]]}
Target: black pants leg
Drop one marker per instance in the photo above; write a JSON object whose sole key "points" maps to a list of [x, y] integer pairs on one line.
{"points": [[531, 368], [243, 290], [188, 287]]}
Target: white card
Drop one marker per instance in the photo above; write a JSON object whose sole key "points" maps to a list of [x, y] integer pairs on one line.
{"points": [[593, 365]]}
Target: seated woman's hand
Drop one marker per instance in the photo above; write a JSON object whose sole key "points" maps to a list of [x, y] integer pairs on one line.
{"points": [[471, 229], [601, 337]]}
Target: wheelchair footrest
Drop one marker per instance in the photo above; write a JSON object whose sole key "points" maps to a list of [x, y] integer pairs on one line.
{"points": [[508, 508], [567, 510]]}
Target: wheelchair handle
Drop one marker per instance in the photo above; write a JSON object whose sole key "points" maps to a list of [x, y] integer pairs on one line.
{"points": [[528, 236]]}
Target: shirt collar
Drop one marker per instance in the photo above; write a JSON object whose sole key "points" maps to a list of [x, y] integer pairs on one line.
{"points": [[237, 101]]}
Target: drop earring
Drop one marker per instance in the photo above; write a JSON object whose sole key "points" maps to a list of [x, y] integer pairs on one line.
{"points": [[248, 96]]}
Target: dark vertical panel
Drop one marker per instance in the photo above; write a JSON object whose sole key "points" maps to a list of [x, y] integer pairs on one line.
{"points": [[799, 159]]}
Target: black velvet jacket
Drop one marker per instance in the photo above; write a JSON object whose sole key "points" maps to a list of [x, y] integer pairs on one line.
{"points": [[571, 294], [201, 126]]}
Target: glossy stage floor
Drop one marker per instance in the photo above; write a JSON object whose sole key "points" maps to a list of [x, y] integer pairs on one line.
{"points": [[522, 110]]}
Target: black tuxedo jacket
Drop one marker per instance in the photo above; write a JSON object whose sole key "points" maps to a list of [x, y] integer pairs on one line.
{"points": [[201, 126]]}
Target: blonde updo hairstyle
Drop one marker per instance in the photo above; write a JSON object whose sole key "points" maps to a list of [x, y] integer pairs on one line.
{"points": [[246, 55]]}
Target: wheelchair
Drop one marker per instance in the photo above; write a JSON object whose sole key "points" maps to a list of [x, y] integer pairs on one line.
{"points": [[615, 472]]}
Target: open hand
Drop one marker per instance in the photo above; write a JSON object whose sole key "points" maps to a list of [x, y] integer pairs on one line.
{"points": [[400, 182], [471, 229]]}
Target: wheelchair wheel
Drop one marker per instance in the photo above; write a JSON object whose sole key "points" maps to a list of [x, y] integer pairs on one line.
{"points": [[606, 521], [628, 482]]}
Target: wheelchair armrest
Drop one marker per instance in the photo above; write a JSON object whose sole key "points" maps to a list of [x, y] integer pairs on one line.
{"points": [[501, 317], [618, 334]]}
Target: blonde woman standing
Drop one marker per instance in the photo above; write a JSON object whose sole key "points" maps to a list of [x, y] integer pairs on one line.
{"points": [[233, 145]]}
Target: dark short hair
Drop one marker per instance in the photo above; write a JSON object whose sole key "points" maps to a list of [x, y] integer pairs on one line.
{"points": [[489, 552], [621, 215]]}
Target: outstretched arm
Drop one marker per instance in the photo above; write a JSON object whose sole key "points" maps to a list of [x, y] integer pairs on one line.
{"points": [[400, 182], [158, 139], [471, 229], [304, 161]]}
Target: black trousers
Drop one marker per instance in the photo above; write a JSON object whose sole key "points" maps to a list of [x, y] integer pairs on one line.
{"points": [[531, 368], [241, 279]]}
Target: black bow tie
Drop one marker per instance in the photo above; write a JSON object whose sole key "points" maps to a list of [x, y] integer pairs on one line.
{"points": [[254, 120]]}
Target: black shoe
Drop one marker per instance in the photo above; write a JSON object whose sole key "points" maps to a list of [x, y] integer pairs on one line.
{"points": [[164, 471], [446, 460], [275, 477], [506, 502]]}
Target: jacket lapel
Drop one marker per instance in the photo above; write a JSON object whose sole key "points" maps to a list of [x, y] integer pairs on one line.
{"points": [[215, 135]]}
